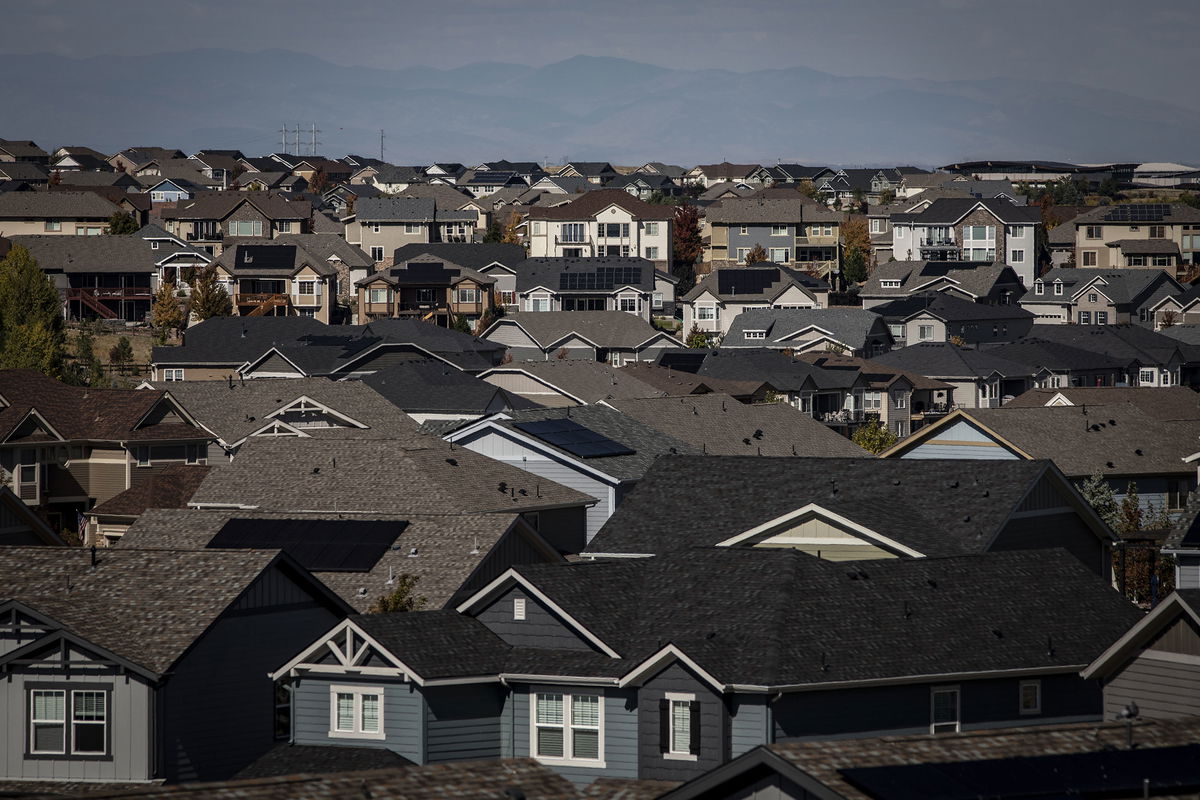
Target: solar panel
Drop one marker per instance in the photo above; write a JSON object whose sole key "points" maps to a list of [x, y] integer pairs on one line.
{"points": [[1139, 212], [602, 278], [322, 545], [424, 272], [569, 435], [746, 281], [266, 256]]}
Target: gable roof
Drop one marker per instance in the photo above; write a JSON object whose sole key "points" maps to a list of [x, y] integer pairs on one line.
{"points": [[1157, 402], [584, 381], [470, 255], [170, 487], [950, 210], [587, 275], [602, 328], [55, 205], [1180, 604], [758, 210], [774, 280], [106, 254], [852, 327], [978, 280], [946, 361], [1121, 343], [219, 205], [589, 204], [1119, 285], [949, 309], [395, 209], [431, 386]]}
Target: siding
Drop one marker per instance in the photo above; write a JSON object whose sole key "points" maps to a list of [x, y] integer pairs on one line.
{"points": [[403, 715], [620, 733], [1187, 572], [713, 718], [951, 443], [772, 787], [275, 365], [1162, 689], [509, 334], [1066, 530], [540, 628], [463, 722], [750, 723]]}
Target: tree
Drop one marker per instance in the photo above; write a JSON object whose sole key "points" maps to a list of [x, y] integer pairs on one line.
{"points": [[86, 371], [856, 238], [860, 198], [319, 181], [121, 354], [122, 224], [756, 255], [494, 234], [687, 246], [807, 188], [1100, 495], [1190, 199], [32, 334], [209, 298], [55, 178], [399, 599], [165, 314], [1144, 572], [512, 234], [1167, 320], [696, 338], [887, 196], [873, 437], [460, 324]]}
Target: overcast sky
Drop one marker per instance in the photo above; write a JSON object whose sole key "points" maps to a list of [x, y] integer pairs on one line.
{"points": [[1146, 48]]}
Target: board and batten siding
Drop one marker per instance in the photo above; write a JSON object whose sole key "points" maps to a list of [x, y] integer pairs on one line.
{"points": [[403, 715], [530, 388], [826, 540], [463, 722], [541, 628], [501, 446], [130, 704], [620, 756], [654, 764], [1064, 529], [964, 441], [1164, 679]]}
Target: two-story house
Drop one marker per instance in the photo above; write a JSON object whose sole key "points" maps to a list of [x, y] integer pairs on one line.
{"points": [[379, 225], [611, 336], [206, 220], [278, 279], [594, 172], [942, 317], [849, 330], [629, 284], [605, 222], [22, 150], [793, 232], [707, 175], [1158, 235], [989, 284], [970, 229], [980, 378], [427, 287], [1064, 296], [720, 296], [55, 213]]}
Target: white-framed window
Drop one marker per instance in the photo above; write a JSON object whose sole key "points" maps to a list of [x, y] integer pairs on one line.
{"points": [[706, 312], [756, 334], [1093, 297], [306, 287], [539, 304], [356, 712], [518, 608], [1146, 377], [376, 253], [468, 295], [629, 304], [285, 226], [1101, 317], [924, 332], [979, 233], [779, 255], [680, 731], [1089, 258], [568, 728], [657, 300], [872, 401], [899, 398], [652, 253], [1085, 318], [142, 455], [1017, 231], [779, 230], [1136, 261], [535, 228], [1029, 697], [1058, 287], [743, 230], [1162, 261], [742, 252], [574, 232], [374, 227], [171, 375], [889, 283], [876, 225], [251, 227], [52, 225], [651, 229], [193, 453], [944, 709], [377, 295], [412, 228], [1039, 287], [1092, 232], [1158, 231], [78, 729], [1018, 256]]}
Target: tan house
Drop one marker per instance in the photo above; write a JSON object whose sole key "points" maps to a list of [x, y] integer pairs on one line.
{"points": [[795, 233], [721, 295], [54, 213], [208, 219], [426, 287], [1154, 235], [381, 225], [602, 223], [280, 279]]}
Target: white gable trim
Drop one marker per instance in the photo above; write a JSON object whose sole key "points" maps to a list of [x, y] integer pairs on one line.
{"points": [[250, 365], [511, 371], [489, 423], [321, 406], [1138, 634], [347, 659], [33, 412], [663, 657], [823, 513]]}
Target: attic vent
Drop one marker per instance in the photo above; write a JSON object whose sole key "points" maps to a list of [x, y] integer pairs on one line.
{"points": [[518, 608], [895, 481]]}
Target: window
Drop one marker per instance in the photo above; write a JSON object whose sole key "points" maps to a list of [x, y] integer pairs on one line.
{"points": [[1058, 287], [374, 227], [1039, 287], [377, 295], [899, 398], [193, 453], [630, 304], [756, 334], [306, 287], [651, 229], [1162, 261], [172, 375], [1135, 261], [536, 228], [468, 295], [518, 608], [706, 312], [679, 726], [1177, 493], [1101, 317], [979, 233], [376, 254], [285, 226], [1158, 231], [744, 230], [1017, 231], [657, 301], [245, 227], [142, 454], [779, 230], [574, 232], [1030, 697], [356, 712], [944, 710], [779, 255], [508, 298], [52, 731], [1085, 318], [53, 225], [925, 332], [652, 253], [568, 727], [1018, 257], [889, 283], [412, 228], [872, 401], [742, 252], [539, 304], [876, 225], [1092, 232]]}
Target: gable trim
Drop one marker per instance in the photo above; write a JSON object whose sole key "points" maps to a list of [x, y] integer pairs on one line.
{"points": [[511, 371], [930, 432], [1151, 624], [661, 659], [824, 513]]}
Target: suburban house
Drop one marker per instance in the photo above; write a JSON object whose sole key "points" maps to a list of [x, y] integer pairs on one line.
{"points": [[1158, 235], [560, 382], [1065, 295], [632, 285], [1174, 402], [989, 284], [606, 222], [499, 261], [1116, 441], [215, 348], [172, 487], [938, 316], [172, 190], [644, 186], [797, 233], [690, 661], [597, 172], [434, 391], [980, 378], [64, 448], [207, 219], [106, 652], [24, 172], [613, 336], [54, 213], [720, 296], [849, 330], [1149, 358], [708, 174], [277, 278], [22, 151], [968, 229], [79, 159], [428, 288], [482, 184], [380, 225]]}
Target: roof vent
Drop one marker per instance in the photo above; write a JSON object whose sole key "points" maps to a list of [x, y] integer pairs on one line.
{"points": [[1139, 451], [895, 481], [412, 553], [999, 634], [745, 441], [316, 471], [932, 583], [502, 487], [758, 434], [452, 462], [362, 591], [1108, 464], [967, 518]]}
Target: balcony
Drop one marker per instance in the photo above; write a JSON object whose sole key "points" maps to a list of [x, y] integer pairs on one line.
{"points": [[939, 241], [586, 241], [846, 415], [205, 236], [262, 303], [307, 300]]}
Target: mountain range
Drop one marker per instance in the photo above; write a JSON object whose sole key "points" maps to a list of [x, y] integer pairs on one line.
{"points": [[584, 108]]}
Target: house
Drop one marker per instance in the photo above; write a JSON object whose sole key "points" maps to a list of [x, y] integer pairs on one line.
{"points": [[981, 378], [79, 159], [846, 186], [1183, 544], [1042, 760], [613, 336], [435, 391], [380, 225], [1039, 173], [1118, 442], [631, 285], [24, 172], [448, 172], [22, 525], [606, 222], [851, 330], [673, 383], [595, 450], [270, 182], [181, 169], [561, 382], [720, 296], [13, 151], [215, 348], [219, 167], [1173, 312], [691, 659], [597, 172], [133, 158], [969, 229], [360, 475], [644, 186], [64, 448], [672, 171], [498, 261], [1149, 358], [171, 190], [707, 174], [54, 213], [102, 677], [1151, 669], [389, 179], [938, 316], [428, 288], [797, 233], [447, 557], [1101, 297], [843, 508], [1156, 235], [990, 284], [89, 181], [207, 219], [482, 184], [1174, 402], [276, 278], [172, 487], [529, 170]]}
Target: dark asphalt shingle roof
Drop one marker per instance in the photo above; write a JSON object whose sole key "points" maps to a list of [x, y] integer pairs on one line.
{"points": [[548, 272], [436, 387], [604, 329], [949, 210], [781, 279], [978, 279], [589, 381], [170, 487], [853, 327], [589, 204], [111, 254], [286, 758], [945, 360], [56, 205], [1158, 402], [469, 255], [949, 308]]}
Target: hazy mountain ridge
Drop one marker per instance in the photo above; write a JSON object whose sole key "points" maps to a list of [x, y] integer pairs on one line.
{"points": [[586, 108]]}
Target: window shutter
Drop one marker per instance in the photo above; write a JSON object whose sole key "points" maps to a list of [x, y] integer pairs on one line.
{"points": [[694, 714], [664, 725]]}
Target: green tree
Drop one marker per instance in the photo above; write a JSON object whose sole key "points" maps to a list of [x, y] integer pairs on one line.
{"points": [[209, 298], [32, 334], [494, 234], [696, 338], [460, 324], [807, 188], [873, 437], [1190, 199], [887, 196], [166, 314], [1134, 563], [86, 369], [122, 224], [120, 355], [1103, 500], [400, 599], [756, 255]]}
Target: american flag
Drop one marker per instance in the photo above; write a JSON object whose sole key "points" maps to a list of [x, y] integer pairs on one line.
{"points": [[81, 527]]}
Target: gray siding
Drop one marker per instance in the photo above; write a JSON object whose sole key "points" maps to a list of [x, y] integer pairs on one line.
{"points": [[772, 787], [713, 722], [1187, 572], [1065, 529], [540, 628], [275, 364], [620, 732], [750, 723], [509, 334], [949, 443], [463, 722], [1162, 689], [403, 715]]}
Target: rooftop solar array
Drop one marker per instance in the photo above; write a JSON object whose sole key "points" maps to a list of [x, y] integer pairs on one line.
{"points": [[1139, 212], [434, 272], [566, 434], [746, 281], [270, 256], [600, 278], [320, 545]]}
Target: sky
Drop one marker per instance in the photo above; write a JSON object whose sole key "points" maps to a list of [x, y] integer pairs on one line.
{"points": [[1145, 48]]}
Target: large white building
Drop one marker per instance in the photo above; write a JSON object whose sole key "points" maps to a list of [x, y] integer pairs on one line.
{"points": [[602, 223]]}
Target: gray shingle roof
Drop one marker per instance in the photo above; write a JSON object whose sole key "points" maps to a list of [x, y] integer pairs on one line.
{"points": [[469, 255], [590, 381], [783, 278], [113, 254], [219, 205], [946, 360], [1119, 285], [286, 758], [1159, 402], [949, 210], [547, 272], [436, 387], [1146, 246], [1120, 343], [949, 308], [55, 205], [853, 327], [395, 209], [978, 280], [758, 210], [602, 328]]}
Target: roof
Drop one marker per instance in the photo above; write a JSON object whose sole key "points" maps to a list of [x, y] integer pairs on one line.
{"points": [[949, 210], [219, 205], [107, 254], [431, 386], [590, 204], [1120, 343], [359, 475], [674, 383], [877, 375], [586, 381], [251, 257], [1146, 246], [1157, 402], [22, 148], [586, 275], [946, 361], [235, 340], [759, 210], [721, 425], [727, 170], [604, 329], [1038, 353], [469, 255], [394, 209], [55, 205], [783, 372], [170, 487], [852, 327], [287, 758], [949, 309], [974, 279], [1126, 213], [1119, 285], [936, 507], [759, 282]]}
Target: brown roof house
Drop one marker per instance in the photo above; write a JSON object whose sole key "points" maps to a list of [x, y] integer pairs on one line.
{"points": [[605, 222]]}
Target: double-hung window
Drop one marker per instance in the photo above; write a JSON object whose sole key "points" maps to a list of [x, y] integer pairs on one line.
{"points": [[356, 712], [652, 253], [944, 710], [68, 722], [1029, 697], [924, 332], [779, 255], [652, 229], [468, 295], [679, 726], [779, 230], [172, 375], [567, 727]]}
